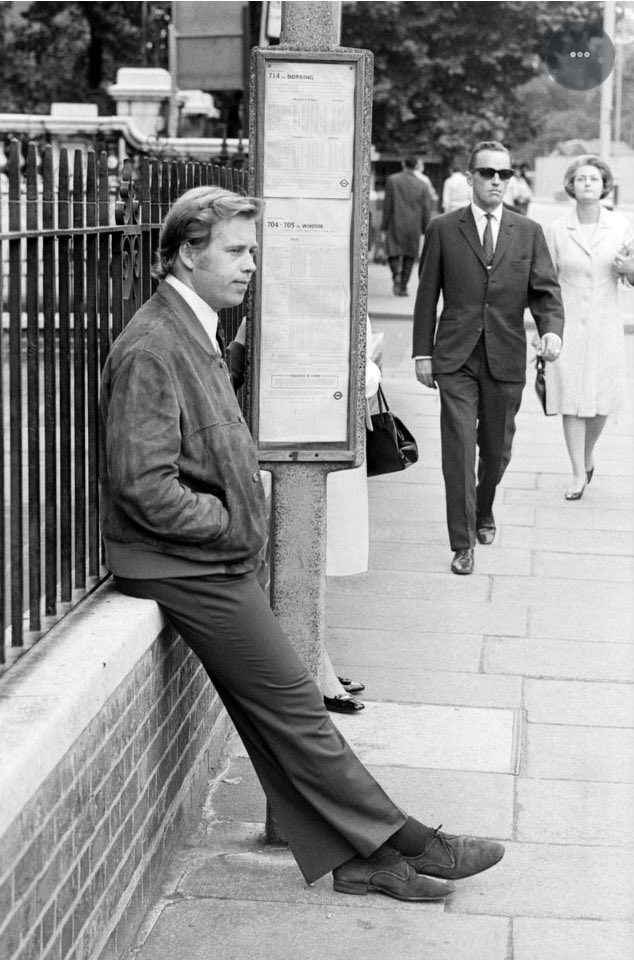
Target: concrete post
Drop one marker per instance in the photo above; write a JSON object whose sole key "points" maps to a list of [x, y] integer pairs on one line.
{"points": [[298, 538], [311, 26], [607, 90]]}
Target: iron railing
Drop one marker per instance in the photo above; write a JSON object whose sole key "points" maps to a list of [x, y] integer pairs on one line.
{"points": [[76, 261]]}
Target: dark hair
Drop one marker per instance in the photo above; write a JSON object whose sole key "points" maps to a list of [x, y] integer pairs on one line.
{"points": [[191, 220], [410, 161], [486, 145], [588, 160]]}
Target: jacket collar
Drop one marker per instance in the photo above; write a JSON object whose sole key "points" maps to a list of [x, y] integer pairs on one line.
{"points": [[179, 306], [576, 233]]}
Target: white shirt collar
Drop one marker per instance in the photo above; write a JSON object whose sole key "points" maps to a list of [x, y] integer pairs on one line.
{"points": [[480, 214], [205, 314]]}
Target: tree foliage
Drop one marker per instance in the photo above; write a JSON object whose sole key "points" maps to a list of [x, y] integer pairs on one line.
{"points": [[448, 74], [71, 51]]}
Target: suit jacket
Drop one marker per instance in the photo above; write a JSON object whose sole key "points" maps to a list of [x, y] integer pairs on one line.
{"points": [[477, 300], [406, 211]]}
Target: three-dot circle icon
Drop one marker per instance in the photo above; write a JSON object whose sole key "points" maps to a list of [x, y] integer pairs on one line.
{"points": [[580, 55]]}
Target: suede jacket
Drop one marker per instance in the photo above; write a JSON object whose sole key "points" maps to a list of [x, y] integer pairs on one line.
{"points": [[181, 490]]}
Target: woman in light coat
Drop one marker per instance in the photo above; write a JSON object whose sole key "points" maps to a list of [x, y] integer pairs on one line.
{"points": [[592, 249]]}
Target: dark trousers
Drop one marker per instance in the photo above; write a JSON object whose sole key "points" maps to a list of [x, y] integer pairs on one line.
{"points": [[401, 268], [327, 804], [475, 410]]}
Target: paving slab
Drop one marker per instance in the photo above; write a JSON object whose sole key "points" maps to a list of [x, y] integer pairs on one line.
{"points": [[616, 482], [245, 930], [435, 558], [409, 583], [538, 939], [539, 657], [420, 503], [599, 517], [583, 621], [480, 804], [408, 684], [552, 880], [559, 811], [236, 794], [435, 532], [564, 540], [434, 796], [438, 650], [435, 737], [579, 703], [413, 615], [563, 593], [579, 753], [544, 497], [584, 566]]}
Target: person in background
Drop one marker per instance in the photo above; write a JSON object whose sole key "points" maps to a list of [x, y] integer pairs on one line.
{"points": [[592, 248], [518, 193], [489, 264], [407, 209], [347, 539], [347, 526], [456, 192], [184, 517], [420, 173]]}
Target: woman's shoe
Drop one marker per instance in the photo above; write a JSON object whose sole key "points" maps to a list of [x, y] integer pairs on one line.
{"points": [[343, 703], [575, 494], [589, 474], [352, 686]]}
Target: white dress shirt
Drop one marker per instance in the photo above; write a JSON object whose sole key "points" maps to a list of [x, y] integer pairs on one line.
{"points": [[480, 217], [208, 318]]}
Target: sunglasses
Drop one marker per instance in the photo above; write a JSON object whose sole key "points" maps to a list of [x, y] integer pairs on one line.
{"points": [[487, 173]]}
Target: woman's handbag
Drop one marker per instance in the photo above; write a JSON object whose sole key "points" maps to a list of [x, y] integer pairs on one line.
{"points": [[389, 446], [540, 383]]}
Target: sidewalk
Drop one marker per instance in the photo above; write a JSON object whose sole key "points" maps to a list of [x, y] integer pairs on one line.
{"points": [[499, 704]]}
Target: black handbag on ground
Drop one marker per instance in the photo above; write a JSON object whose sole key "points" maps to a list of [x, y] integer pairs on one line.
{"points": [[389, 446], [540, 383]]}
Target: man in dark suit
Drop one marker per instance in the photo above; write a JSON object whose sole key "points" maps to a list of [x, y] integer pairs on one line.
{"points": [[407, 209], [490, 264]]}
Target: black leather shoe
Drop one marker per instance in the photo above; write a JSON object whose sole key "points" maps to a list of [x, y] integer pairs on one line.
{"points": [[485, 530], [352, 686], [589, 474], [343, 703], [575, 494], [454, 858], [386, 871], [462, 561]]}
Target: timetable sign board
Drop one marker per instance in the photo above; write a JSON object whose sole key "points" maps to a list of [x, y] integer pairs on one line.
{"points": [[306, 331]]}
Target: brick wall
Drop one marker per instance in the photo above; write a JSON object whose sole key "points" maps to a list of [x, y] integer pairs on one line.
{"points": [[81, 861]]}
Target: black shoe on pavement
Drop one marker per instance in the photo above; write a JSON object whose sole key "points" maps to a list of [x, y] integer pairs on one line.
{"points": [[343, 703], [352, 686], [454, 858], [462, 562], [485, 530], [386, 871]]}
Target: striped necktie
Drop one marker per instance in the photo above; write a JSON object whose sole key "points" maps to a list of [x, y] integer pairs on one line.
{"points": [[487, 240]]}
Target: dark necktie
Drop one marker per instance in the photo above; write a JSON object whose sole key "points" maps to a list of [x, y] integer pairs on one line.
{"points": [[487, 240]]}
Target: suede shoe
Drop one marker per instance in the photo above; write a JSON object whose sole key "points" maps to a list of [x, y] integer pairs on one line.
{"points": [[462, 562], [454, 858], [386, 871]]}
